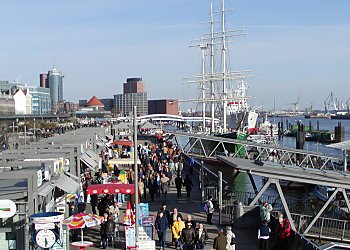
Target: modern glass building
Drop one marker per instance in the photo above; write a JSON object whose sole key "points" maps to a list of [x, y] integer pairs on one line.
{"points": [[55, 83], [41, 100]]}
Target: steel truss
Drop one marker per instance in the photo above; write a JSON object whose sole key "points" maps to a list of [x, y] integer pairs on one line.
{"points": [[275, 173], [211, 146]]}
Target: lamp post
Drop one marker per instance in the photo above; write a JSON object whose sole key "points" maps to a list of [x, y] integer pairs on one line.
{"points": [[136, 177], [17, 125], [34, 128]]}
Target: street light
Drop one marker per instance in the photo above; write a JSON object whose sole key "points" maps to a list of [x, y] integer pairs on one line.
{"points": [[34, 129]]}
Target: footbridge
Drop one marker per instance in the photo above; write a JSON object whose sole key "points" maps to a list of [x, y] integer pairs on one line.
{"points": [[310, 225], [209, 147], [171, 118]]}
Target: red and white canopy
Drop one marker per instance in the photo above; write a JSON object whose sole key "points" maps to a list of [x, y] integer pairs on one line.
{"points": [[110, 188]]}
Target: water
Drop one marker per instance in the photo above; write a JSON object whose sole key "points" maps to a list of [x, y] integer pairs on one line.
{"points": [[324, 124]]}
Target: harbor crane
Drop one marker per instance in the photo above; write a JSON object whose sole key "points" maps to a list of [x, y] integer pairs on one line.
{"points": [[295, 104], [330, 103]]}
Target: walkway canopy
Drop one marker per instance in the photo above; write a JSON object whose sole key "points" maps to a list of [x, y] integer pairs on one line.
{"points": [[111, 188], [148, 125]]}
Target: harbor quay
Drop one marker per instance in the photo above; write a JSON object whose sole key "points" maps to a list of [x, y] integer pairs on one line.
{"points": [[77, 190]]}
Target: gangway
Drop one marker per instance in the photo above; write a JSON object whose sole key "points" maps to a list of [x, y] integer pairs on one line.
{"points": [[209, 147], [307, 225]]}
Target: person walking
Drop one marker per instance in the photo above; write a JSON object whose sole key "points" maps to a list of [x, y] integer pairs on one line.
{"points": [[201, 236], [176, 229], [161, 227], [220, 241], [179, 183], [210, 210], [188, 237], [189, 185], [264, 236], [230, 239], [284, 234], [165, 186]]}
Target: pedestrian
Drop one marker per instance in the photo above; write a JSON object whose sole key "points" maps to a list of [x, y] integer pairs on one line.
{"points": [[103, 232], [230, 239], [188, 237], [191, 163], [190, 220], [264, 236], [220, 241], [201, 236], [210, 210], [93, 202], [179, 183], [141, 189], [161, 227], [152, 187], [176, 229], [165, 186], [265, 211], [165, 211], [189, 185], [284, 233]]}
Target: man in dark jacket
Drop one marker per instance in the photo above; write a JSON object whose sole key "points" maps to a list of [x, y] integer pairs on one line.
{"points": [[161, 227], [110, 229], [188, 237], [189, 185], [220, 241], [166, 212], [178, 184], [201, 236], [263, 236]]}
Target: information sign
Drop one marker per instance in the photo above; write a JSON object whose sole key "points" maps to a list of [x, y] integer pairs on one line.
{"points": [[143, 211], [130, 241]]}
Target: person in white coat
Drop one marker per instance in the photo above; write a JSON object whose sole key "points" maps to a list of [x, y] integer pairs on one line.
{"points": [[231, 239]]}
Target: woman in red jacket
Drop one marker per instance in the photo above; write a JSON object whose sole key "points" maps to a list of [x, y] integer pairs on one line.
{"points": [[284, 233]]}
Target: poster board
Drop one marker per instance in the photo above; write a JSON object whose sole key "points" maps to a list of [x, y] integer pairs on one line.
{"points": [[130, 241], [143, 211], [146, 233], [146, 245]]}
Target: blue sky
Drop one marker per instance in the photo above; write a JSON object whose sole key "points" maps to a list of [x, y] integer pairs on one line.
{"points": [[290, 46]]}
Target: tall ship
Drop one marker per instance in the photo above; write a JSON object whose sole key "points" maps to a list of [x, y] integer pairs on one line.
{"points": [[223, 92]]}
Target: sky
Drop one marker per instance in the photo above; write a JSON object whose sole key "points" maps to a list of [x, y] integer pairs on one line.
{"points": [[291, 47]]}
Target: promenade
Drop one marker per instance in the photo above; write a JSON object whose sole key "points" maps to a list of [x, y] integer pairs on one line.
{"points": [[246, 239]]}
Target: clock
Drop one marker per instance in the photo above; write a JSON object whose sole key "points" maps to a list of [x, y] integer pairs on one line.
{"points": [[45, 238]]}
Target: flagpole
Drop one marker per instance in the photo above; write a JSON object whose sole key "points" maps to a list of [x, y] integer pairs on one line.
{"points": [[136, 194]]}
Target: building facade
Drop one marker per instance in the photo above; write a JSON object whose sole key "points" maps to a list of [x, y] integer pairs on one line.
{"points": [[55, 83], [41, 100], [7, 105], [43, 81], [82, 103], [170, 107], [133, 85], [108, 103], [124, 103], [23, 102]]}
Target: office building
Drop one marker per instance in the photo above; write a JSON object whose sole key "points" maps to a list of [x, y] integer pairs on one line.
{"points": [[170, 107], [7, 105], [82, 103], [125, 103], [43, 81], [133, 85], [41, 100], [108, 103], [55, 83]]}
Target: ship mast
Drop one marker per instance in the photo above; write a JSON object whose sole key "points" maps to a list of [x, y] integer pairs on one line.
{"points": [[203, 47], [212, 82], [223, 65]]}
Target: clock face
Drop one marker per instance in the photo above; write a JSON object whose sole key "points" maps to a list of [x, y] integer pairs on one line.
{"points": [[45, 238]]}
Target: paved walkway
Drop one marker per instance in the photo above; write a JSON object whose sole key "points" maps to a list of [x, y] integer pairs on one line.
{"points": [[246, 239]]}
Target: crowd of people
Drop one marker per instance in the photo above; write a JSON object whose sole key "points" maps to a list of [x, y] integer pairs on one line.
{"points": [[161, 166]]}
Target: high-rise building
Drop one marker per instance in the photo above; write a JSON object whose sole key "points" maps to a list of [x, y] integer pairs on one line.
{"points": [[133, 85], [43, 81], [41, 100], [124, 103], [55, 83], [170, 107]]}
